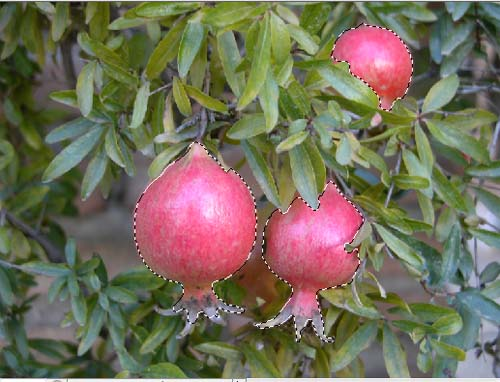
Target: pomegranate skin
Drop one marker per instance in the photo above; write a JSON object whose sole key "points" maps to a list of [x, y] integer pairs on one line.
{"points": [[306, 248], [196, 224], [379, 57]]}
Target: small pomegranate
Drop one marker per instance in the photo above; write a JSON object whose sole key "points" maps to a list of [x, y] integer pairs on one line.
{"points": [[379, 57], [306, 248], [196, 224]]}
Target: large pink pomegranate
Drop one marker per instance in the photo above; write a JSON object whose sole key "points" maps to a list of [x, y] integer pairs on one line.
{"points": [[196, 224], [379, 57], [306, 248]]}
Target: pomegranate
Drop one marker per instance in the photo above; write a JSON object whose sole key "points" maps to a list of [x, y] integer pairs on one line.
{"points": [[196, 224], [306, 249], [379, 57]]}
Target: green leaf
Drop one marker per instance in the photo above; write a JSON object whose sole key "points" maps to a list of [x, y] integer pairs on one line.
{"points": [[220, 349], [94, 173], [409, 182], [348, 86], [121, 295], [91, 329], [125, 23], [292, 141], [79, 308], [249, 126], [280, 40], [66, 97], [448, 325], [137, 279], [451, 254], [165, 51], [455, 138], [400, 248], [447, 350], [164, 158], [163, 370], [418, 12], [181, 98], [299, 97], [485, 171], [394, 355], [140, 106], [61, 20], [452, 62], [73, 154], [344, 153], [70, 252], [98, 25], [205, 100], [7, 151], [159, 334], [424, 149], [355, 344], [260, 64], [314, 16], [488, 237], [303, 38], [447, 191], [112, 147], [441, 93], [303, 175], [6, 293], [28, 198], [230, 58], [162, 9], [483, 306], [101, 51], [492, 291], [268, 99], [190, 44], [225, 14], [12, 112], [490, 273], [261, 172], [260, 365], [46, 269], [455, 37]]}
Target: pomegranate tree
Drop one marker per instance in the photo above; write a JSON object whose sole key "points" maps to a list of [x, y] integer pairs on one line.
{"points": [[379, 57], [196, 224], [306, 248]]}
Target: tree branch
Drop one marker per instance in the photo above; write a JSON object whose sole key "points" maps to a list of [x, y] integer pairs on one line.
{"points": [[54, 254]]}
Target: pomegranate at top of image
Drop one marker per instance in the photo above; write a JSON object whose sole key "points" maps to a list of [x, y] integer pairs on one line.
{"points": [[196, 224], [306, 248], [379, 57]]}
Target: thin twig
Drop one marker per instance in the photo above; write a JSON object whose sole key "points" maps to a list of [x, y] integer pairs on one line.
{"points": [[53, 253], [189, 122], [396, 171], [160, 89]]}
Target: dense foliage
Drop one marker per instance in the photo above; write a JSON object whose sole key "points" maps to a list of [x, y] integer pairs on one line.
{"points": [[258, 75]]}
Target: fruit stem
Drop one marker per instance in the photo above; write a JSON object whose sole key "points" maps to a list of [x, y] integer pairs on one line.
{"points": [[303, 306], [197, 300]]}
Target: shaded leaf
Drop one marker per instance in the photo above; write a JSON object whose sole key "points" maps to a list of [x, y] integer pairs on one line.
{"points": [[441, 93], [262, 173], [190, 44], [355, 344], [260, 64], [394, 355], [72, 154], [140, 106]]}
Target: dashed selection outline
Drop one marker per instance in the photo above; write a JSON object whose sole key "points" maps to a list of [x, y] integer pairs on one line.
{"points": [[228, 170], [361, 79], [355, 250]]}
